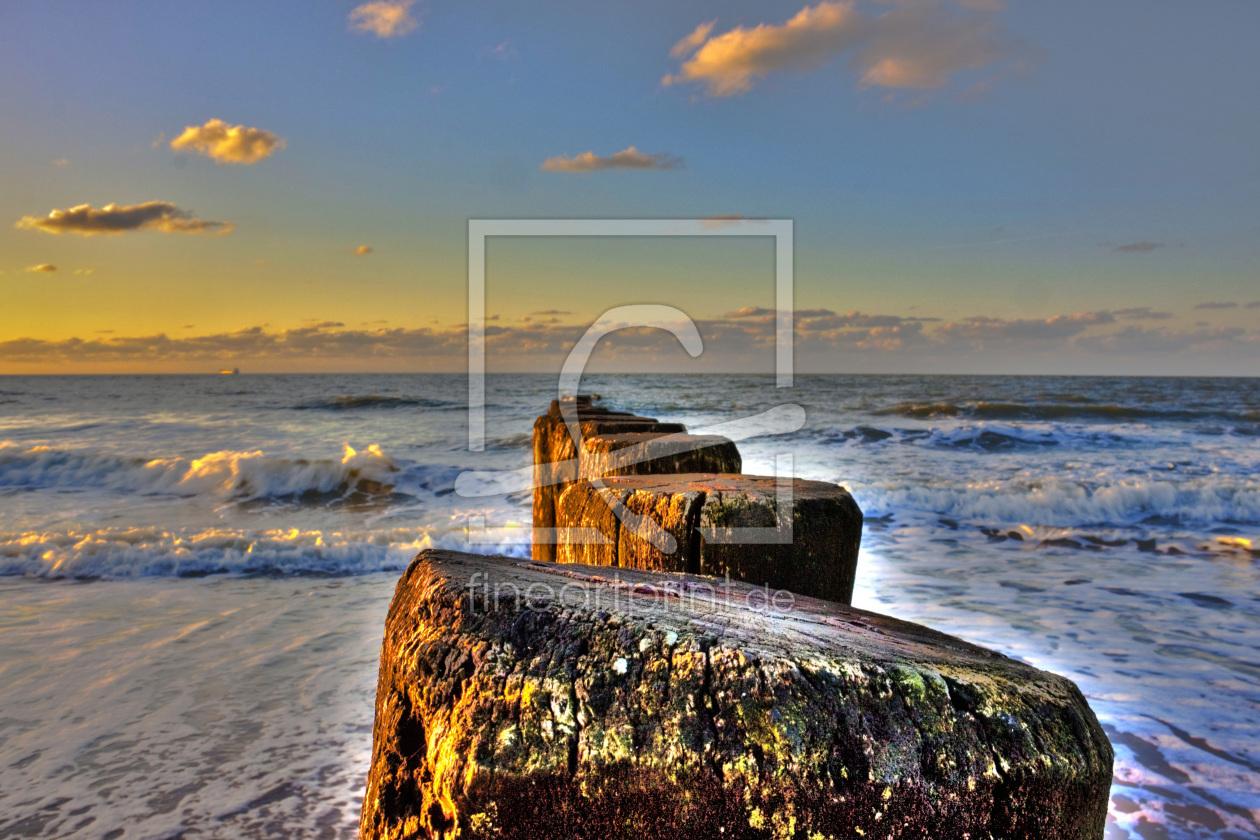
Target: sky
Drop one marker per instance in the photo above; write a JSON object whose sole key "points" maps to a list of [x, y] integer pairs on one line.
{"points": [[975, 186]]}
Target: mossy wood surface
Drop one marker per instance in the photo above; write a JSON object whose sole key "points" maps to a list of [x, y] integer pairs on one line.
{"points": [[610, 703], [819, 531], [556, 457]]}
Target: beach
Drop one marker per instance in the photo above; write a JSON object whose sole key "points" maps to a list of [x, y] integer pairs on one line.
{"points": [[194, 570]]}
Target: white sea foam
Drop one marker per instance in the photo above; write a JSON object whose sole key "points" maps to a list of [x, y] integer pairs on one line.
{"points": [[116, 553], [1065, 503]]}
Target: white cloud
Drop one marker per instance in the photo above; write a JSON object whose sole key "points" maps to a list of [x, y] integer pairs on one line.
{"points": [[84, 220], [630, 158], [225, 143], [384, 18]]}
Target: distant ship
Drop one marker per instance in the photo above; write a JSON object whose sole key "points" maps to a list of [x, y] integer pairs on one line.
{"points": [[227, 372]]}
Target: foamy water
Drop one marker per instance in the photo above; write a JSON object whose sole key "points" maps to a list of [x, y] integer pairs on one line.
{"points": [[194, 570]]}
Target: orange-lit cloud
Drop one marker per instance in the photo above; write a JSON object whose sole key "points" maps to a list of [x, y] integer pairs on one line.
{"points": [[384, 18], [61, 162], [913, 45], [688, 45], [630, 158], [225, 143], [750, 312], [83, 272], [84, 220], [979, 329], [728, 63], [43, 268], [363, 250], [722, 219], [322, 340]]}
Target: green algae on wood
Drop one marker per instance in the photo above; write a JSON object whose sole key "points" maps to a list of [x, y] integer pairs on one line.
{"points": [[527, 700], [806, 544]]}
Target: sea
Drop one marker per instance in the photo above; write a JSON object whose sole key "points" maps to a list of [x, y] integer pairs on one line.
{"points": [[195, 570]]}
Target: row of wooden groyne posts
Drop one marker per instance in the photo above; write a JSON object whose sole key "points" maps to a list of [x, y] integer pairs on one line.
{"points": [[679, 660]]}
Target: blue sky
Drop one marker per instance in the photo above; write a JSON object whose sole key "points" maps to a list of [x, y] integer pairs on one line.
{"points": [[988, 165]]}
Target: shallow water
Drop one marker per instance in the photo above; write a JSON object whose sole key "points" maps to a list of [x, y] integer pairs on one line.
{"points": [[211, 679], [226, 707]]}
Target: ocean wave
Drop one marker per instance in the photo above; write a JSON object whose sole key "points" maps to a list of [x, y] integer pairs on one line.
{"points": [[986, 438], [120, 553], [354, 403], [1064, 503], [521, 440], [1071, 410], [228, 475]]}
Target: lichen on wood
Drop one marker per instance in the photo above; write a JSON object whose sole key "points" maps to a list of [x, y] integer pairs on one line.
{"points": [[526, 700], [807, 542]]}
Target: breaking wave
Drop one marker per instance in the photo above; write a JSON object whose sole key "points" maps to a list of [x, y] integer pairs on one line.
{"points": [[118, 553], [228, 475]]}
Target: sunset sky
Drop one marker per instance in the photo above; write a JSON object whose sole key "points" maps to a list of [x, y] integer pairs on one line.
{"points": [[976, 186]]}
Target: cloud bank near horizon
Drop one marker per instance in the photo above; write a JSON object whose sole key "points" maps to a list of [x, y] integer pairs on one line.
{"points": [[736, 337]]}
